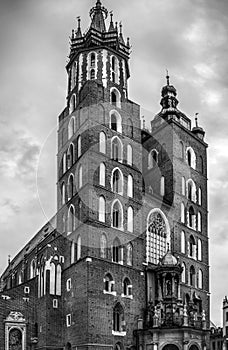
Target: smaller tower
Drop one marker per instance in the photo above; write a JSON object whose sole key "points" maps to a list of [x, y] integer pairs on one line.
{"points": [[225, 318]]}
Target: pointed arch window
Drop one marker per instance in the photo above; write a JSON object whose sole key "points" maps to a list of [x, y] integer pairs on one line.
{"points": [[200, 279], [157, 236], [58, 279], [114, 69], [70, 186], [130, 186], [192, 247], [71, 127], [115, 121], [92, 74], [162, 186], [191, 157], [130, 219], [182, 213], [102, 174], [200, 196], [102, 209], [80, 178], [92, 59], [183, 274], [102, 142], [129, 155], [152, 159], [117, 181], [117, 149], [129, 128], [117, 215], [127, 287], [192, 275], [71, 220], [108, 283], [79, 247], [103, 246], [79, 146], [52, 279], [117, 252], [183, 186], [115, 97], [129, 254], [118, 318], [183, 247], [63, 193], [199, 221], [191, 190], [70, 156], [191, 218], [72, 252], [72, 103], [64, 163], [33, 269], [199, 249]]}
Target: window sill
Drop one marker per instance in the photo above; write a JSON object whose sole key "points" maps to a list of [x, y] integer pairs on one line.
{"points": [[110, 293], [127, 296], [120, 334]]}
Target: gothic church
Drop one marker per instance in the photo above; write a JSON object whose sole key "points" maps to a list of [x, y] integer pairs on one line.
{"points": [[124, 263]]}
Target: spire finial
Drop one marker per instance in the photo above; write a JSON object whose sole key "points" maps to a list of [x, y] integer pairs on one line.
{"points": [[196, 119], [9, 259], [121, 26], [167, 76], [79, 22], [111, 15], [167, 246]]}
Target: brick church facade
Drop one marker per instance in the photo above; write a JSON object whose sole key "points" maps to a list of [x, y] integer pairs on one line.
{"points": [[124, 263]]}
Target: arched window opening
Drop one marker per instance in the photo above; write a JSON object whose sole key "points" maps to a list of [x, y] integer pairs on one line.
{"points": [[101, 209], [157, 229], [64, 163], [191, 218], [192, 247], [80, 179], [71, 128], [162, 186], [113, 63], [102, 142], [118, 318], [199, 249], [70, 156], [114, 69], [127, 287], [108, 283], [182, 213], [103, 246], [71, 219], [191, 157], [183, 242], [191, 190], [117, 252], [130, 186], [113, 98], [115, 121], [79, 146], [199, 221], [72, 103], [79, 247], [152, 159], [92, 59], [58, 279], [102, 174], [183, 275], [117, 215], [192, 275], [129, 155], [130, 219], [117, 181], [129, 254], [183, 186], [92, 74], [200, 196], [70, 187], [63, 193], [182, 150], [117, 149], [200, 279], [33, 269], [72, 252]]}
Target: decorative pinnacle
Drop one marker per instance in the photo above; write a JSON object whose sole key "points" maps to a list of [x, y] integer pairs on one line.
{"points": [[121, 26], [167, 76], [196, 119], [79, 22], [9, 257], [111, 15]]}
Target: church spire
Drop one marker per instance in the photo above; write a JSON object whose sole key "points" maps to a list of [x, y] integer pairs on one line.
{"points": [[78, 34], [111, 26], [98, 15]]}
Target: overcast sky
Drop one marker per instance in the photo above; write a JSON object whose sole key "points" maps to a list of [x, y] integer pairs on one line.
{"points": [[189, 37]]}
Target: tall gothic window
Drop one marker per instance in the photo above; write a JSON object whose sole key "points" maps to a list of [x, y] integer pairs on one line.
{"points": [[117, 181], [103, 246], [117, 149], [129, 254], [117, 215], [101, 214], [130, 218], [192, 247], [71, 219], [71, 127], [192, 276], [115, 121], [79, 247], [79, 146], [129, 155], [191, 157], [70, 156], [102, 174], [102, 142], [118, 318], [183, 242], [156, 237], [70, 187], [199, 249], [183, 275], [152, 159], [63, 194]]}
